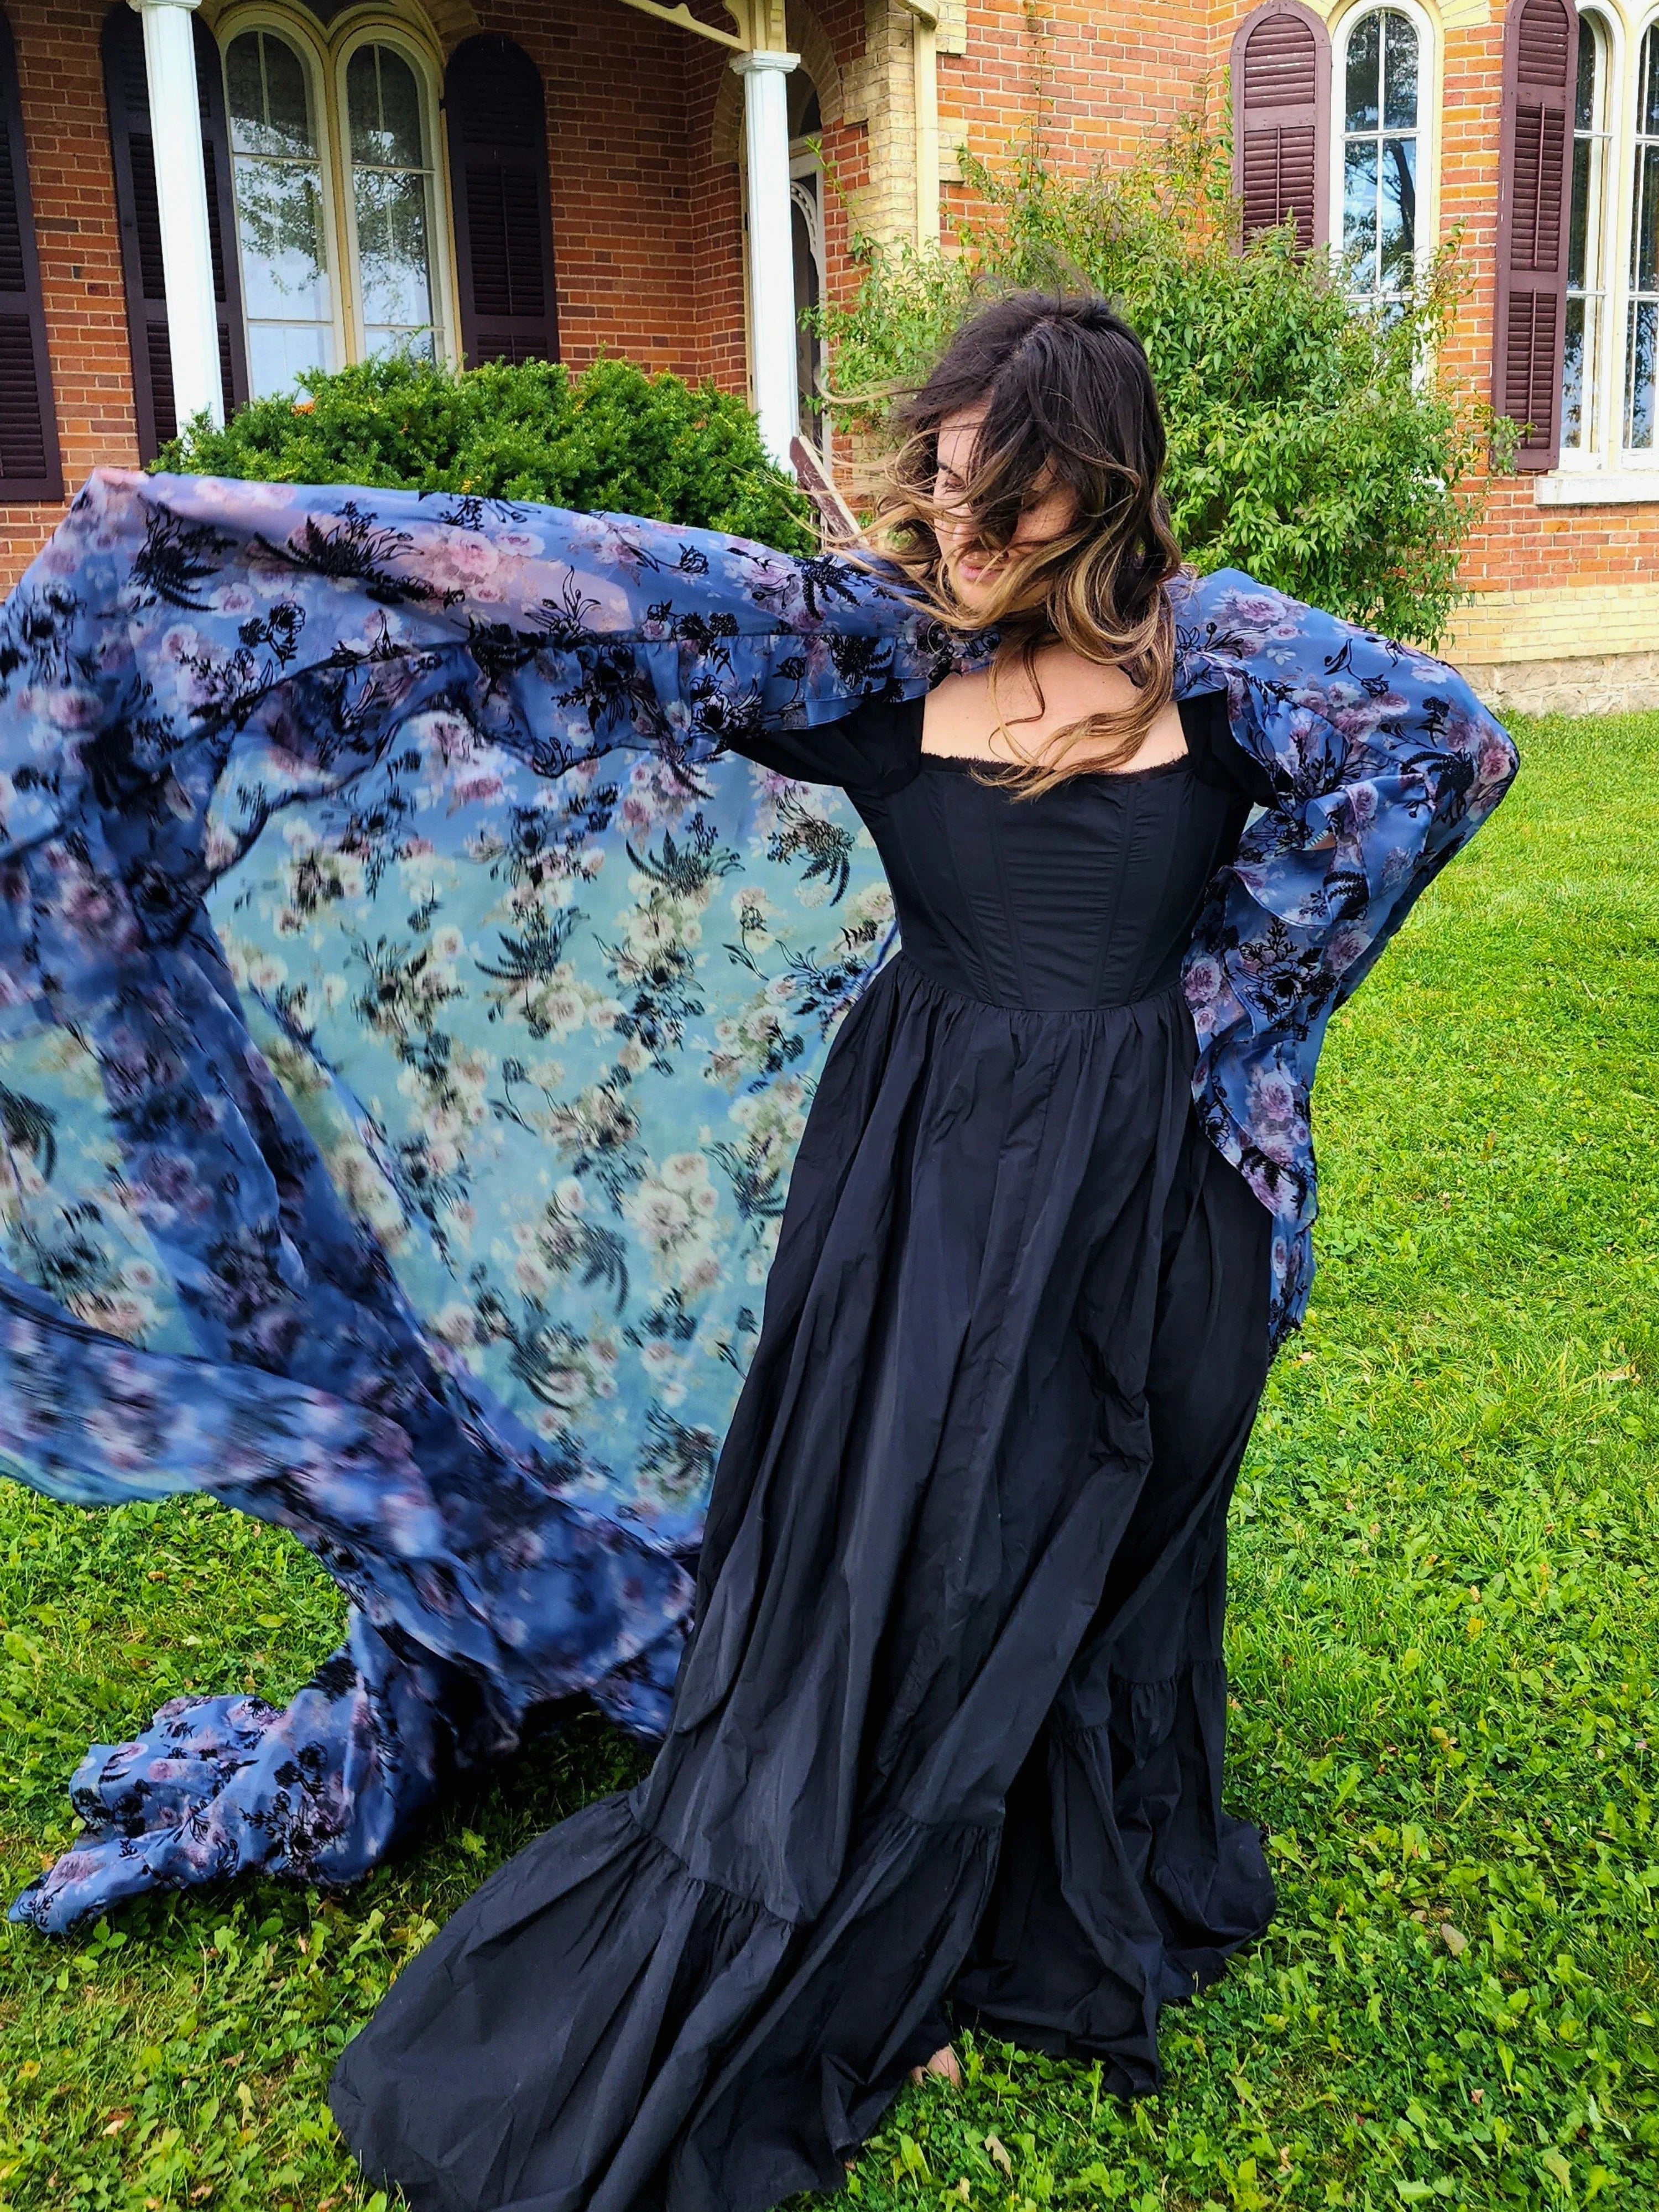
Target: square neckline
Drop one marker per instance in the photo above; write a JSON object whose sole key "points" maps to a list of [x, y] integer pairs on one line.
{"points": [[1177, 763], [1174, 765]]}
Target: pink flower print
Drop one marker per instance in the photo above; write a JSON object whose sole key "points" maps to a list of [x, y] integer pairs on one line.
{"points": [[86, 907], [1277, 1120], [484, 788], [1494, 761], [461, 560], [1203, 981], [1348, 944], [1362, 805], [73, 710]]}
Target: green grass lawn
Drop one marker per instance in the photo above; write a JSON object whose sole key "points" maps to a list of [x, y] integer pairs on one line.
{"points": [[1445, 1616]]}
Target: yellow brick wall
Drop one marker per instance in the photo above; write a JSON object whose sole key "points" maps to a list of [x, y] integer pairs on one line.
{"points": [[1558, 625]]}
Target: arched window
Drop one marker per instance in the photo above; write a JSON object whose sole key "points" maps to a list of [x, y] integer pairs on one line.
{"points": [[1384, 94], [1609, 362], [390, 155], [341, 211], [1642, 340], [1585, 326], [282, 209]]}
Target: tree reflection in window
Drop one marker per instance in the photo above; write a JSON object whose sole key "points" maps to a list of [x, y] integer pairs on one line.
{"points": [[391, 200], [277, 167], [1642, 346], [1381, 129], [1586, 231]]}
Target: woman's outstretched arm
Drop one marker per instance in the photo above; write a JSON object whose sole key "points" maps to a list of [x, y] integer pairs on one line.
{"points": [[1379, 764]]}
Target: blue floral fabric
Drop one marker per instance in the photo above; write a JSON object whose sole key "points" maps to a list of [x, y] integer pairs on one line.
{"points": [[408, 1012]]}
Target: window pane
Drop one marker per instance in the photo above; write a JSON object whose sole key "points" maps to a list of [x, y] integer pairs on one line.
{"points": [[1639, 393], [269, 107], [383, 101], [1398, 212], [1581, 402], [1364, 73], [287, 300], [1360, 209], [1574, 360], [391, 249], [279, 220], [1641, 330], [1590, 42], [1400, 72], [1644, 237], [391, 200], [1578, 220], [278, 353]]}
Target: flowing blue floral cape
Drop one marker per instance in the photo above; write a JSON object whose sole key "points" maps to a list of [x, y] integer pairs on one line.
{"points": [[408, 1015]]}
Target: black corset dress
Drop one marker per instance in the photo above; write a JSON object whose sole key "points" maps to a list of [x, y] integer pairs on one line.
{"points": [[947, 1742]]}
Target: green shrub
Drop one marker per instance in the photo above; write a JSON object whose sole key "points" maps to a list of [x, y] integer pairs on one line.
{"points": [[612, 438], [1310, 442]]}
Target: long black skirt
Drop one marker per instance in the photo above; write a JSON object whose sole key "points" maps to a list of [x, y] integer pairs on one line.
{"points": [[947, 1742]]}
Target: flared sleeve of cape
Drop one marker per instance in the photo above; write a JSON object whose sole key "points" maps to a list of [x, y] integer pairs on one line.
{"points": [[1376, 765], [407, 1016]]}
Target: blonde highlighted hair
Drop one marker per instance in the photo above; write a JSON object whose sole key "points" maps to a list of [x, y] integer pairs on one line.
{"points": [[1068, 404]]}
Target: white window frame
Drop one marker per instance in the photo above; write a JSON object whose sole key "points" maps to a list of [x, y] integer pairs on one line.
{"points": [[377, 31], [1608, 349], [1608, 471], [325, 55], [1430, 65], [297, 33], [1645, 461]]}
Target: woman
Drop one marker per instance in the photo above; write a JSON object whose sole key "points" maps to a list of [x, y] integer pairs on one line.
{"points": [[946, 1741]]}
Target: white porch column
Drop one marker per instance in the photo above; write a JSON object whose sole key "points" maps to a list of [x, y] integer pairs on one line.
{"points": [[175, 123], [771, 249]]}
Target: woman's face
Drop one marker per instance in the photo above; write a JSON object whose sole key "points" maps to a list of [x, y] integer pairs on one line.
{"points": [[972, 568]]}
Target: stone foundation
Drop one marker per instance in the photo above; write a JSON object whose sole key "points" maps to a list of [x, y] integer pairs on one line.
{"points": [[1591, 684]]}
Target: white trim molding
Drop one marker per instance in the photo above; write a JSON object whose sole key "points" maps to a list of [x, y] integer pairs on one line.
{"points": [[771, 248], [1593, 486]]}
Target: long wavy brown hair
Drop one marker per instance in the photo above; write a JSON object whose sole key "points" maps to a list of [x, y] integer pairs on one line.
{"points": [[1068, 401]]}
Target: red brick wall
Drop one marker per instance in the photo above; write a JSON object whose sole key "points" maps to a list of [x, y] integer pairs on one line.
{"points": [[623, 237], [715, 196], [1090, 84], [647, 221], [1519, 546], [62, 87]]}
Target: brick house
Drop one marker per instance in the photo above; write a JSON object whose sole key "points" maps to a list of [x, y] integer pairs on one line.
{"points": [[521, 177]]}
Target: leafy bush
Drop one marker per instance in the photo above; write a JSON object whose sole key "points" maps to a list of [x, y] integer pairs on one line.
{"points": [[1311, 441], [612, 438]]}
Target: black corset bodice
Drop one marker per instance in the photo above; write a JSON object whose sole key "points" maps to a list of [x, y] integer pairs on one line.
{"points": [[1084, 897]]}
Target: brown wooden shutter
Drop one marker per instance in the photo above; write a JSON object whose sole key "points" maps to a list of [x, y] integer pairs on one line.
{"points": [[497, 117], [1534, 191], [29, 467], [127, 94], [1281, 82]]}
